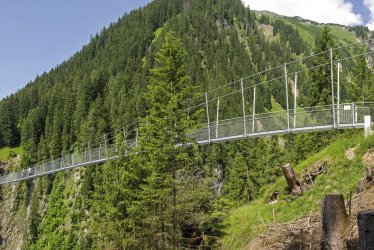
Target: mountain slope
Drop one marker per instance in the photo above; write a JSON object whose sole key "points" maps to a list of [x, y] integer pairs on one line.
{"points": [[341, 173], [102, 87]]}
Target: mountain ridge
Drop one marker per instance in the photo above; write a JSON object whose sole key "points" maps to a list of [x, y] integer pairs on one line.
{"points": [[102, 87]]}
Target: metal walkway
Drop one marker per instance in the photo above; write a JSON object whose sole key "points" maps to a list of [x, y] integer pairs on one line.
{"points": [[237, 97], [301, 120]]}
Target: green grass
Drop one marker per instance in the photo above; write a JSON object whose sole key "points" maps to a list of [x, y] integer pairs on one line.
{"points": [[309, 32], [342, 34], [5, 152], [341, 176], [275, 106]]}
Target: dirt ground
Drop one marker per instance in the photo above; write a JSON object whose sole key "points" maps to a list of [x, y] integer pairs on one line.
{"points": [[306, 233]]}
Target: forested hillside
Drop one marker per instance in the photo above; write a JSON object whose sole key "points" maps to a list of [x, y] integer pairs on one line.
{"points": [[171, 197]]}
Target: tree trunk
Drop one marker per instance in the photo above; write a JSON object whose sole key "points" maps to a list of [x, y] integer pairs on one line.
{"points": [[365, 221], [293, 184], [334, 220], [175, 222]]}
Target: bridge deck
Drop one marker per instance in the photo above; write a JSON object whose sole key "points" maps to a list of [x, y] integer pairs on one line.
{"points": [[261, 125]]}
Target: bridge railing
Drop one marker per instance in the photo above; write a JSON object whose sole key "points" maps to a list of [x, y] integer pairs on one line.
{"points": [[86, 157], [316, 117], [301, 119]]}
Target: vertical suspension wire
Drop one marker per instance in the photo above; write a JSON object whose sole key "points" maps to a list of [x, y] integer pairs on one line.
{"points": [[125, 140], [62, 160], [136, 137], [106, 146], [217, 118], [207, 115], [295, 102], [353, 114], [89, 151], [243, 107], [287, 103], [332, 88], [188, 118], [338, 93], [254, 110]]}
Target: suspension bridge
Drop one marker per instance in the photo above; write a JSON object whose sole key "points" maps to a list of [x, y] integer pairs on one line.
{"points": [[240, 96]]}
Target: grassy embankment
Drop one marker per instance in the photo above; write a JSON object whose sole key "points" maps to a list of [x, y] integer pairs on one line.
{"points": [[341, 176]]}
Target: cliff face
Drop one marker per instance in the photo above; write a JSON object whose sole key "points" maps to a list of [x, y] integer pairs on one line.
{"points": [[102, 87], [13, 216]]}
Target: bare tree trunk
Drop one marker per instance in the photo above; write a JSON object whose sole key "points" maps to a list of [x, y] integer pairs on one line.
{"points": [[293, 184], [365, 221], [334, 220], [175, 222]]}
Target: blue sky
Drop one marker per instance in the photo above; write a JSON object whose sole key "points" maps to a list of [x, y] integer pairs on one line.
{"points": [[37, 35], [360, 8], [347, 12]]}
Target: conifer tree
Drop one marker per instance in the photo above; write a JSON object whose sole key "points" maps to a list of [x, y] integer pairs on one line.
{"points": [[237, 188], [320, 89], [361, 80], [160, 163]]}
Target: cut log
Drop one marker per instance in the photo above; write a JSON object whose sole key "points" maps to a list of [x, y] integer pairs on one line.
{"points": [[365, 220], [294, 186], [334, 221]]}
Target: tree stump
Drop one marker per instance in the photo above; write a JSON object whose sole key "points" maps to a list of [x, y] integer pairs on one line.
{"points": [[365, 220], [334, 220], [293, 184]]}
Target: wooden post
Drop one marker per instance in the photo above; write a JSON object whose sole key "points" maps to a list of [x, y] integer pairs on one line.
{"points": [[334, 220], [365, 221], [293, 184]]}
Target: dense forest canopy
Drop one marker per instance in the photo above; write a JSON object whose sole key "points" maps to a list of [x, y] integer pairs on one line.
{"points": [[171, 197]]}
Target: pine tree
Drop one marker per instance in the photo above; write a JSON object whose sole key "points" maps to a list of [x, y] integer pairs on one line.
{"points": [[320, 89], [237, 188], [8, 124], [361, 80], [159, 161]]}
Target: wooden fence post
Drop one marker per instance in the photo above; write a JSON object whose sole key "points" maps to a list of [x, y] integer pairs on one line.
{"points": [[334, 221], [365, 221]]}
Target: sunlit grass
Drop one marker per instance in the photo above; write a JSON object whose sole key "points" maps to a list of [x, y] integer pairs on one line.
{"points": [[341, 176], [5, 153]]}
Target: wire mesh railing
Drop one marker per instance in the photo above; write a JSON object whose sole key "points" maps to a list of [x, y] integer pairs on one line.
{"points": [[348, 115], [238, 96], [300, 119]]}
